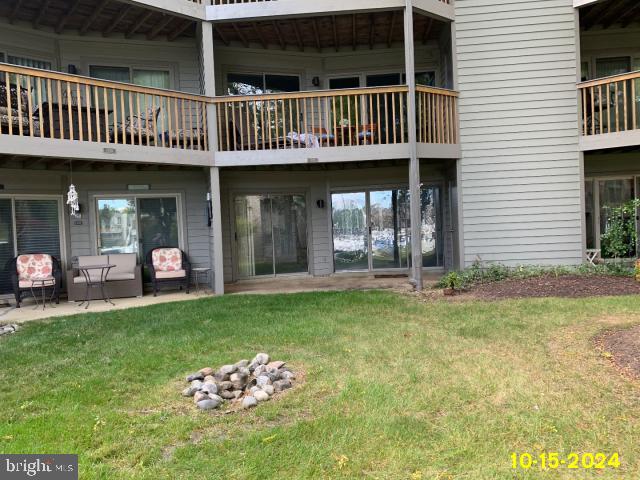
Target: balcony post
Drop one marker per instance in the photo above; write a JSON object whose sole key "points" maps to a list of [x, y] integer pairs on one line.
{"points": [[205, 31], [414, 162]]}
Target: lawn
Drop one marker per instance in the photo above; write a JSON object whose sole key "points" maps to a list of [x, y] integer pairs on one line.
{"points": [[394, 388]]}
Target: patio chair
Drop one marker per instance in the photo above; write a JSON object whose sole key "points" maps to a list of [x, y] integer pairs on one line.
{"points": [[243, 136], [137, 126], [29, 271], [168, 265], [367, 134], [15, 118]]}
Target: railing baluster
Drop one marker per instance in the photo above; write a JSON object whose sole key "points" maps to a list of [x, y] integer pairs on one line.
{"points": [[96, 103], [9, 106]]}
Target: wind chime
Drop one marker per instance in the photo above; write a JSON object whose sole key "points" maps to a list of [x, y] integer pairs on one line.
{"points": [[72, 195]]}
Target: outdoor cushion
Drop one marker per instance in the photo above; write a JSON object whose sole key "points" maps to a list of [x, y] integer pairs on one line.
{"points": [[124, 263], [171, 274], [24, 97], [90, 260], [110, 278], [166, 260], [37, 283], [36, 266]]}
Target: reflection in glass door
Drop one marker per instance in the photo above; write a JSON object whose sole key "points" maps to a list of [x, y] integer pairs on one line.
{"points": [[271, 235], [7, 248], [350, 240], [389, 229], [117, 226], [158, 222]]}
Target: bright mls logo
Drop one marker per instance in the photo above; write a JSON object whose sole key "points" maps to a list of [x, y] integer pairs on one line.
{"points": [[48, 467]]}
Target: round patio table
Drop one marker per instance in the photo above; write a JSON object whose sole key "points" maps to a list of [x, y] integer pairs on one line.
{"points": [[95, 282]]}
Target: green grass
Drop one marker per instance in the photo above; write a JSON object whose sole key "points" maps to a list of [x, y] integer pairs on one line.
{"points": [[395, 388]]}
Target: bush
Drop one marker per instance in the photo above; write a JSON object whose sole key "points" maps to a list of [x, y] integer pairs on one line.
{"points": [[452, 280], [620, 238]]}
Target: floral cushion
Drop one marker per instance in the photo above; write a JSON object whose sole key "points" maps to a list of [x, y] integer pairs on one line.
{"points": [[13, 97], [37, 266], [167, 259]]}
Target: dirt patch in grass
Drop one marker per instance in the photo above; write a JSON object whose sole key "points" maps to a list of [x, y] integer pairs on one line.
{"points": [[622, 347], [569, 286]]}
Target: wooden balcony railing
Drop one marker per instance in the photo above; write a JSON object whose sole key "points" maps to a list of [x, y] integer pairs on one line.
{"points": [[46, 104], [437, 113], [328, 118], [610, 105]]}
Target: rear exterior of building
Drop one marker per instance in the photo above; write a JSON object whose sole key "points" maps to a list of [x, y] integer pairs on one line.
{"points": [[280, 138]]}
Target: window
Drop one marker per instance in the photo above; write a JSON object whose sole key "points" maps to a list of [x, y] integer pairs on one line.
{"points": [[116, 74], [606, 67], [256, 84], [143, 77], [28, 62]]}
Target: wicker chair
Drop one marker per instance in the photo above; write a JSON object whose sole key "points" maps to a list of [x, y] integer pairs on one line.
{"points": [[28, 268], [168, 265]]}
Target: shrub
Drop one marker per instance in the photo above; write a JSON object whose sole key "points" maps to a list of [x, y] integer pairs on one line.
{"points": [[452, 280], [620, 238]]}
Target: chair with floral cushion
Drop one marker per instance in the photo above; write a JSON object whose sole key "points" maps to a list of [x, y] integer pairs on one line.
{"points": [[168, 265], [35, 270], [137, 126]]}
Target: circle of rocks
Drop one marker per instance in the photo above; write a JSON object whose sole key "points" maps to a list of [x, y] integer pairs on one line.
{"points": [[245, 382], [7, 329]]}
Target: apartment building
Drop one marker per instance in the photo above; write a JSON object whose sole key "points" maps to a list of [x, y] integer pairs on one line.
{"points": [[282, 137]]}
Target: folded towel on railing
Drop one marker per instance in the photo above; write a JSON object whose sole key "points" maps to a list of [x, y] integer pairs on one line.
{"points": [[308, 139]]}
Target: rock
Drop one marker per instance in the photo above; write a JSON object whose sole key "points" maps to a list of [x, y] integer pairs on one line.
{"points": [[227, 394], [281, 385], [195, 376], [227, 369], [262, 358], [237, 393], [259, 370], [263, 380], [261, 396], [242, 364], [253, 365], [209, 388], [225, 385], [221, 377], [273, 374], [243, 371], [208, 404], [196, 384], [287, 375], [189, 392], [198, 396], [238, 380], [268, 389], [249, 402], [206, 371], [277, 364], [209, 379], [255, 388]]}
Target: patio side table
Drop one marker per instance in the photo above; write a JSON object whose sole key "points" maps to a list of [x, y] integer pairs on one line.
{"points": [[43, 284], [200, 271], [95, 283]]}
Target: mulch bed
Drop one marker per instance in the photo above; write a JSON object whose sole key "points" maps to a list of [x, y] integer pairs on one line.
{"points": [[624, 348], [571, 286]]}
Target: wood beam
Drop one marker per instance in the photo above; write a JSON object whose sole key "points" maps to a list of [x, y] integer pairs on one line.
{"points": [[138, 23], [176, 33], [240, 35], [258, 32], [427, 30], [66, 16], [627, 17], [221, 35], [15, 11], [298, 36], [372, 27], [614, 14], [161, 25], [391, 25], [336, 44], [316, 34], [354, 33], [283, 45], [116, 20], [31, 162], [594, 14], [43, 11], [96, 13]]}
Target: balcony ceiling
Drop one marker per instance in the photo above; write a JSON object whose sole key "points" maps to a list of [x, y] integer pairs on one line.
{"points": [[327, 32], [619, 13], [106, 17]]}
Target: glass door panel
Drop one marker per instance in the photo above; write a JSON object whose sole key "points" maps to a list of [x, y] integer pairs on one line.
{"points": [[158, 221], [612, 194], [7, 248], [254, 236], [431, 229], [289, 223], [350, 239], [389, 229], [37, 225], [117, 226]]}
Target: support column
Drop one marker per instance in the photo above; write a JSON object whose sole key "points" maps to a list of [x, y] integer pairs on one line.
{"points": [[205, 30], [414, 163]]}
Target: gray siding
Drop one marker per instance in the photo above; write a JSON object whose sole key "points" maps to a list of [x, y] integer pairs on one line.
{"points": [[520, 168]]}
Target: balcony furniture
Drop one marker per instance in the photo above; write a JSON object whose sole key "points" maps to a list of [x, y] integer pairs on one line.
{"points": [[593, 255], [136, 127], [11, 116], [367, 134], [244, 135], [200, 272], [325, 138], [168, 265], [42, 285], [124, 280], [95, 278], [187, 139], [35, 270], [62, 112]]}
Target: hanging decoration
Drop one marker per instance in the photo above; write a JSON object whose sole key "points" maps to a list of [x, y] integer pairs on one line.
{"points": [[72, 196]]}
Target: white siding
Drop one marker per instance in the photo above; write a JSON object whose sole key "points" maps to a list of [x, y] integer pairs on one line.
{"points": [[520, 167]]}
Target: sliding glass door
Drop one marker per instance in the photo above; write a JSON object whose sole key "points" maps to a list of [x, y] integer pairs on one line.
{"points": [[270, 235], [137, 224], [28, 225], [372, 229]]}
